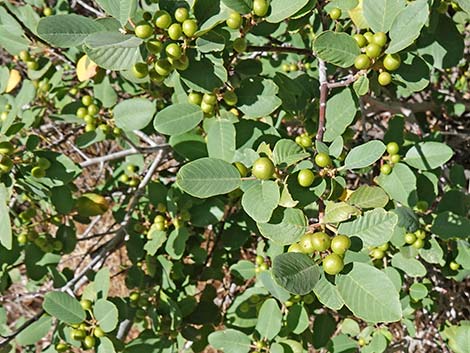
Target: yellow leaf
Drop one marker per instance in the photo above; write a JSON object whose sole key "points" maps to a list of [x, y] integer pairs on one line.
{"points": [[13, 80], [357, 16], [86, 69]]}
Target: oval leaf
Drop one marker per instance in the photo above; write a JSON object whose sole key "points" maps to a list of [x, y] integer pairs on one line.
{"points": [[178, 119], [208, 177], [269, 319], [374, 228], [106, 314], [67, 31], [286, 226], [428, 155], [230, 341], [369, 294], [364, 155], [134, 114], [339, 49], [63, 307], [260, 200], [296, 272], [281, 9]]}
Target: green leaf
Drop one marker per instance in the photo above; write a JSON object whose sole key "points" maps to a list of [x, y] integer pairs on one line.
{"points": [[102, 282], [410, 266], [368, 197], [428, 155], [418, 291], [361, 85], [35, 332], [336, 48], [113, 50], [134, 114], [328, 294], [442, 46], [380, 14], [286, 152], [105, 346], [176, 243], [286, 226], [364, 155], [230, 341], [204, 75], [221, 140], [106, 314], [208, 177], [6, 238], [369, 294], [296, 272], [340, 112], [400, 184], [297, 319], [241, 6], [281, 9], [260, 200], [434, 253], [464, 4], [67, 31], [448, 225], [244, 268], [269, 319], [407, 25], [462, 339], [276, 290], [374, 228], [177, 119], [257, 97], [412, 75], [63, 307], [336, 212], [122, 10]]}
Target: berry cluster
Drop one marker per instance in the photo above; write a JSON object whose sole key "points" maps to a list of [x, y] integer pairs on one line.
{"points": [[373, 46], [331, 250]]}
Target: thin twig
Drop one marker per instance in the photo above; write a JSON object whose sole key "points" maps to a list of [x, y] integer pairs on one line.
{"points": [[269, 48]]}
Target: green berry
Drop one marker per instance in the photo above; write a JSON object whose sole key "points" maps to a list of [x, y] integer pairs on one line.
{"points": [[362, 62], [393, 148], [377, 254], [295, 248], [306, 243], [384, 78], [410, 238], [43, 163], [81, 112], [230, 98], [173, 50], [322, 160], [339, 244], [89, 342], [333, 264], [209, 98], [386, 169], [207, 108], [154, 46], [373, 50], [395, 158], [239, 45], [263, 168], [242, 169], [360, 40], [454, 266], [87, 100], [392, 62], [190, 28], [162, 19], [181, 14], [86, 304], [379, 38], [175, 31], [163, 67], [195, 98], [260, 7], [234, 20], [98, 332], [321, 241], [305, 141], [93, 109], [305, 178], [38, 172], [143, 30], [335, 13]]}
